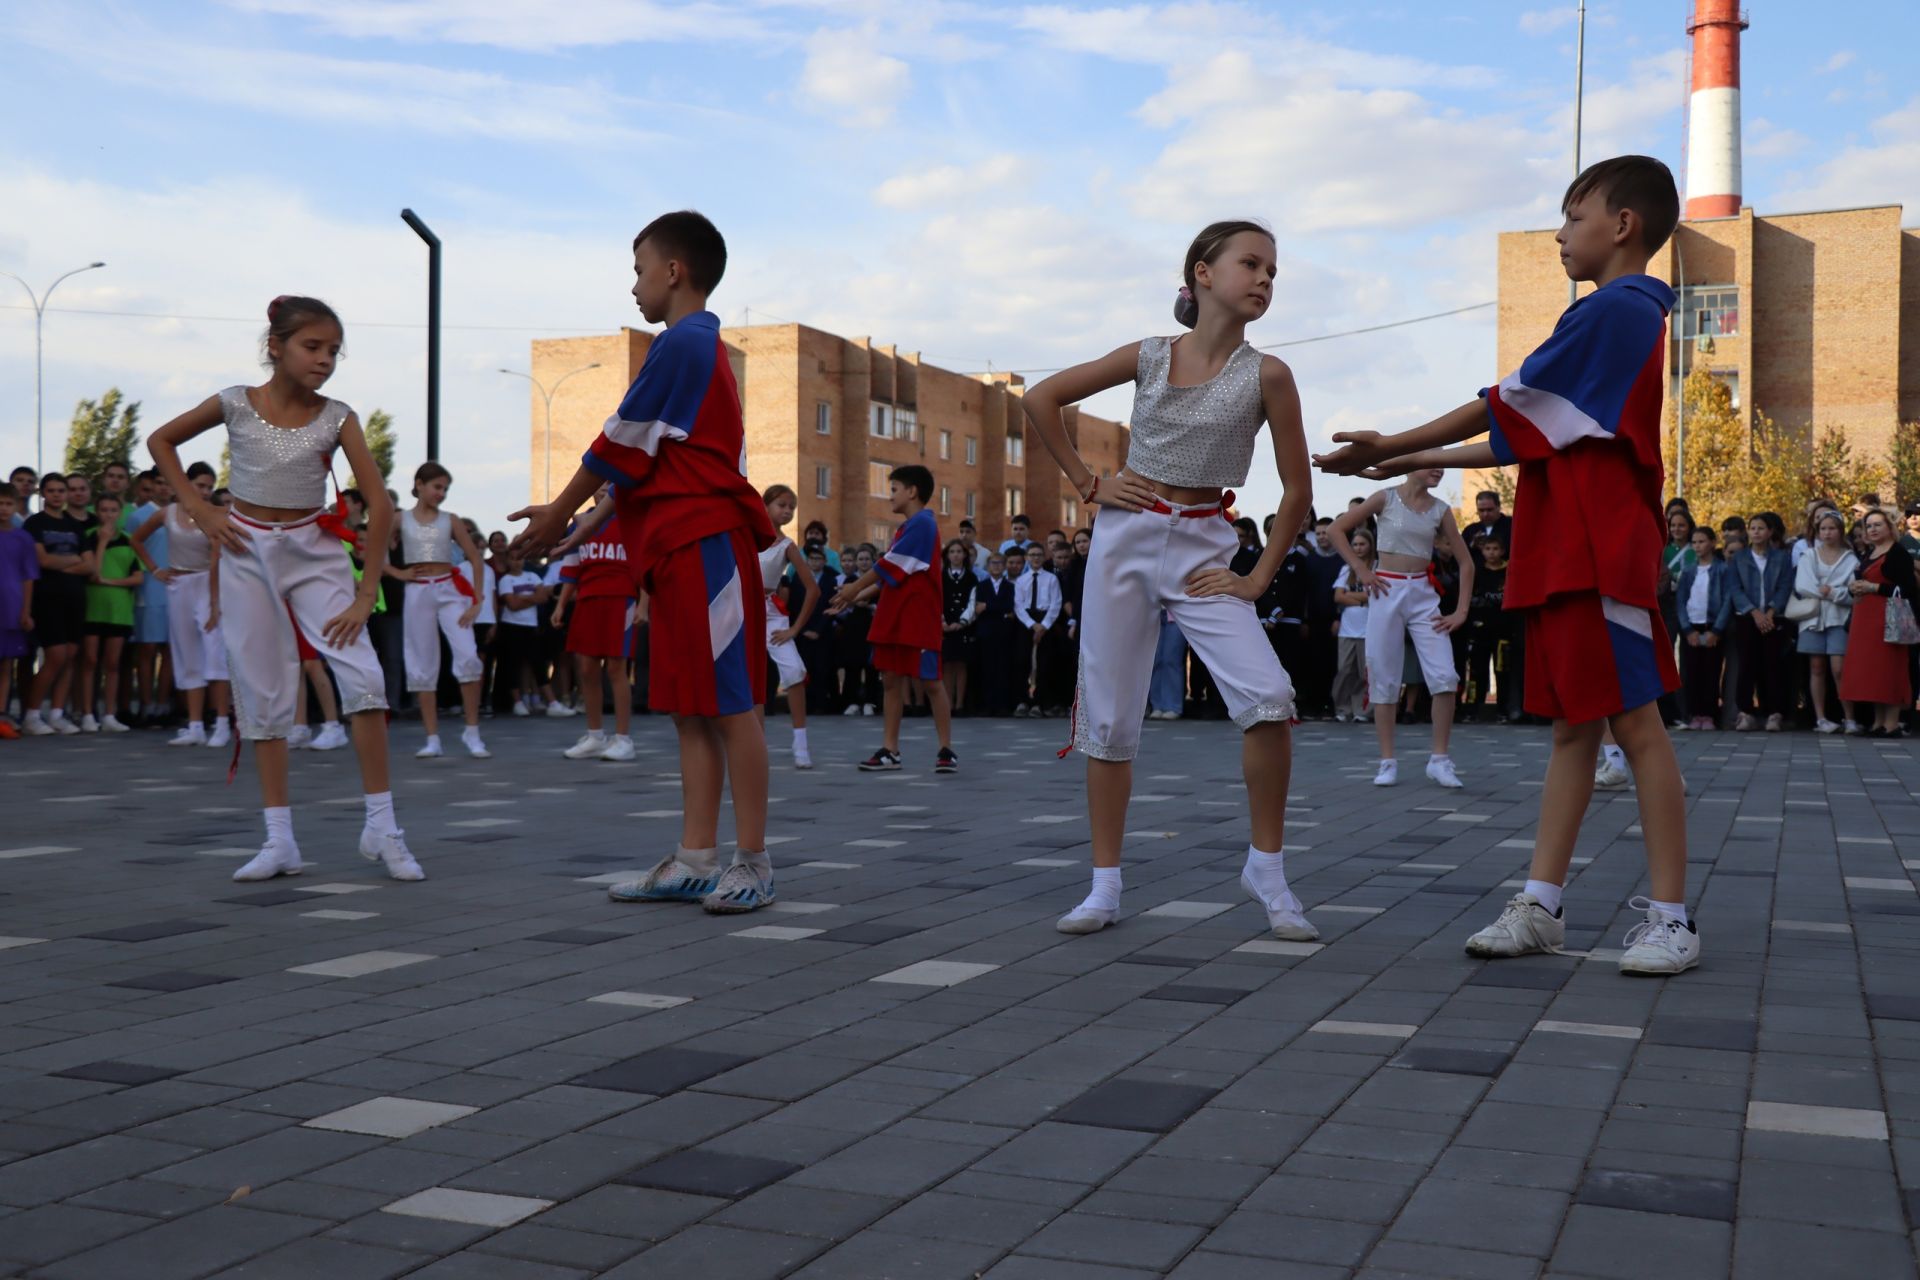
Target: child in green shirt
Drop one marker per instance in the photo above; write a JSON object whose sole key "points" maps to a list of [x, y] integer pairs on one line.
{"points": [[109, 616]]}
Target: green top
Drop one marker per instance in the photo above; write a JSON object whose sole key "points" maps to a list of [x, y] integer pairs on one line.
{"points": [[113, 605], [1677, 559]]}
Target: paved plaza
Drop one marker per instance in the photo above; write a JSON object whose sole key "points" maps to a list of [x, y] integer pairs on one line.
{"points": [[902, 1070]]}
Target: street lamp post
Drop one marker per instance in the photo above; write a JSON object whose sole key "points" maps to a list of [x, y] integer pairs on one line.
{"points": [[546, 396], [39, 316]]}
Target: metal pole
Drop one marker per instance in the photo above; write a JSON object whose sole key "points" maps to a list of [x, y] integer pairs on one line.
{"points": [[39, 320], [421, 229], [1579, 93], [1680, 362], [547, 397]]}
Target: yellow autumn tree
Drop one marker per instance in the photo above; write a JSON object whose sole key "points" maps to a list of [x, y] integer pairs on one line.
{"points": [[1716, 472]]}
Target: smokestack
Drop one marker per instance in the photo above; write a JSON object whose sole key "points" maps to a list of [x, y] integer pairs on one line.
{"points": [[1713, 113]]}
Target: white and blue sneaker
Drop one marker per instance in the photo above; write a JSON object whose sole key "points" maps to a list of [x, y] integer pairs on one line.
{"points": [[1660, 944], [740, 889], [670, 881]]}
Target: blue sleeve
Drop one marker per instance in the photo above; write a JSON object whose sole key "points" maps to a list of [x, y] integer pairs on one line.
{"points": [[912, 552], [661, 405], [1575, 385]]}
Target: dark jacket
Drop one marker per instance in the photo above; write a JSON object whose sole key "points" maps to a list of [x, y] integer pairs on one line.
{"points": [[1750, 592], [1719, 592], [1899, 574]]}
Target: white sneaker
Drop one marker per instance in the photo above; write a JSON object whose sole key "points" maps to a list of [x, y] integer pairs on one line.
{"points": [[591, 744], [430, 750], [391, 848], [332, 737], [1744, 723], [802, 759], [1388, 774], [88, 724], [111, 724], [560, 710], [1285, 916], [1659, 944], [853, 709], [619, 749], [1852, 728], [222, 734], [62, 725], [1824, 725], [34, 725], [299, 738], [1084, 919], [868, 710], [1524, 928], [1440, 770], [470, 739], [190, 735], [1339, 717], [272, 860], [1776, 722], [1611, 777], [520, 707]]}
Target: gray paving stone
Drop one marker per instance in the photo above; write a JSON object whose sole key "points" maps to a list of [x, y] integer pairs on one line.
{"points": [[313, 1257], [195, 1245], [1085, 1237], [56, 1231], [715, 1251]]}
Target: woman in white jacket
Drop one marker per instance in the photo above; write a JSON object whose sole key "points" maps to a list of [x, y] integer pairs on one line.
{"points": [[1820, 584]]}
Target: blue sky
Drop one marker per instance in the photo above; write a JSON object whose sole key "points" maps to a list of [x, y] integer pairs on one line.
{"points": [[988, 184]]}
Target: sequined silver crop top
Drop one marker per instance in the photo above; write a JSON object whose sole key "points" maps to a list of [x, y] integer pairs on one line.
{"points": [[1195, 436], [430, 543], [1406, 532], [275, 467]]}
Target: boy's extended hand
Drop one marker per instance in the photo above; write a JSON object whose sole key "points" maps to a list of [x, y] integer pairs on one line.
{"points": [[546, 524], [1363, 449]]}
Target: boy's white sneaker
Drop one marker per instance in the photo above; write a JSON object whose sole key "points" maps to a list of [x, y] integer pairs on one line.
{"points": [[1285, 916], [111, 724], [193, 734], [1085, 919], [1523, 929], [591, 744], [1611, 777], [61, 724], [35, 725], [802, 758], [430, 749], [619, 749], [520, 707], [1388, 774], [390, 847], [88, 724], [222, 734], [272, 860], [1659, 944], [560, 710], [330, 738], [1440, 770], [299, 738], [470, 739]]}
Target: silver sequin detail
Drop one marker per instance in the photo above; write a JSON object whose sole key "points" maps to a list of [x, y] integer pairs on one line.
{"points": [[365, 702], [1406, 532], [1195, 436], [1262, 713], [426, 543], [275, 467]]}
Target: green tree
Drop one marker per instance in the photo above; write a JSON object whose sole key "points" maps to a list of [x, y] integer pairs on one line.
{"points": [[379, 433], [1835, 470], [1903, 461], [103, 431]]}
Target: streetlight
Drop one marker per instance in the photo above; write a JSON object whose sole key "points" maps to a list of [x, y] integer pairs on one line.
{"points": [[39, 315], [547, 394]]}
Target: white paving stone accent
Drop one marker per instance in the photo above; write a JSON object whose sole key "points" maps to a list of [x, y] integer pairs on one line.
{"points": [[390, 1117], [335, 888], [362, 964], [340, 915], [42, 850], [1587, 1029], [1812, 926], [1047, 862], [1385, 1030], [475, 1208], [1872, 882], [777, 933], [640, 1000], [1189, 910], [1274, 947], [936, 973], [1823, 1122]]}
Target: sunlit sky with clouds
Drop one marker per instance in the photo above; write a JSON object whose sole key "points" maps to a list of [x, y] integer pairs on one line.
{"points": [[1004, 185]]}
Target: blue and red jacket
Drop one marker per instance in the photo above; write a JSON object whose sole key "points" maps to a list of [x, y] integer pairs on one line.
{"points": [[1582, 419], [676, 450], [910, 598]]}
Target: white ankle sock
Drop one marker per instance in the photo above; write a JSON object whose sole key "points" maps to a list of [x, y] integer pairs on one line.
{"points": [[280, 825], [1615, 757], [1547, 895], [380, 812], [1105, 895], [470, 734], [757, 859], [703, 861], [331, 724], [433, 739], [800, 739], [1678, 910], [1268, 872]]}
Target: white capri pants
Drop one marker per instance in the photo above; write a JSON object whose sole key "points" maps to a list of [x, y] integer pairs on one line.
{"points": [[1406, 612], [1140, 564], [199, 655], [434, 606], [786, 657], [298, 566]]}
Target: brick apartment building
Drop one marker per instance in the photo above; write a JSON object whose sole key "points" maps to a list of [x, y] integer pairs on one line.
{"points": [[830, 416], [1810, 318]]}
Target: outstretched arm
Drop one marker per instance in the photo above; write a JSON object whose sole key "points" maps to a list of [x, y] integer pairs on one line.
{"points": [[1368, 449], [1042, 404], [1478, 454]]}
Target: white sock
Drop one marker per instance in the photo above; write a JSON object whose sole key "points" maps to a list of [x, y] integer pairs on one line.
{"points": [[800, 739], [1547, 895], [1268, 871], [433, 739], [280, 825], [703, 861], [1615, 756], [757, 859], [1105, 895], [331, 724], [470, 734], [1678, 910], [380, 812]]}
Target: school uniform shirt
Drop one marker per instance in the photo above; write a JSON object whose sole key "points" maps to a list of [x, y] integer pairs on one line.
{"points": [[996, 602], [1036, 599], [1353, 617], [514, 584], [909, 609], [676, 449], [1581, 417], [599, 566], [61, 535], [113, 605]]}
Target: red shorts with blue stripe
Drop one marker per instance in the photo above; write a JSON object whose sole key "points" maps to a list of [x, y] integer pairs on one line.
{"points": [[1590, 657], [708, 650], [905, 660], [602, 627]]}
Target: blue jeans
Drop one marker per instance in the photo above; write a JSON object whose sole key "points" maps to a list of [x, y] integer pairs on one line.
{"points": [[1168, 690]]}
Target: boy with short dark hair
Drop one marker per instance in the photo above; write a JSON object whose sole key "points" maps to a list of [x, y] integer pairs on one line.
{"points": [[694, 528], [1581, 417], [906, 633]]}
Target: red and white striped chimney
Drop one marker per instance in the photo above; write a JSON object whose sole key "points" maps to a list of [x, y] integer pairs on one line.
{"points": [[1713, 113]]}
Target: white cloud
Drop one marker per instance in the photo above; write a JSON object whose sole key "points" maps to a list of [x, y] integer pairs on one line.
{"points": [[949, 184], [1884, 171], [1540, 22], [1628, 116], [847, 77], [1838, 62], [1766, 141], [521, 24]]}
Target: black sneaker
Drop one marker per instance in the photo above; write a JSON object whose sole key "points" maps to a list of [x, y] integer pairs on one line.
{"points": [[946, 761], [881, 761]]}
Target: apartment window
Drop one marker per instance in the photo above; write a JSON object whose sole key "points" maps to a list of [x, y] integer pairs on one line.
{"points": [[877, 479], [1710, 311], [1016, 451], [906, 424], [969, 504], [880, 421], [823, 419], [973, 451], [823, 482], [1069, 514], [946, 446], [944, 504], [1016, 499]]}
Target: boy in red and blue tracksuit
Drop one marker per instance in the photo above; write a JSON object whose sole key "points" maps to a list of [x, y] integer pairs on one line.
{"points": [[1581, 418], [693, 528], [907, 631]]}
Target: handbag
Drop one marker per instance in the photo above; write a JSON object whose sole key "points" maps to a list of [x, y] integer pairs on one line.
{"points": [[1803, 608], [1901, 628]]}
